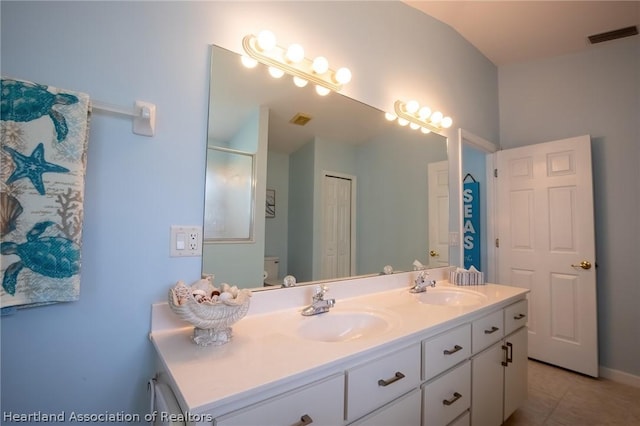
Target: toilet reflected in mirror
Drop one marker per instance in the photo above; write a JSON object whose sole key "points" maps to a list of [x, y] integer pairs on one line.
{"points": [[271, 271]]}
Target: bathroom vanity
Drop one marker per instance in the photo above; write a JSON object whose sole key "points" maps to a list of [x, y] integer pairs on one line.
{"points": [[451, 355]]}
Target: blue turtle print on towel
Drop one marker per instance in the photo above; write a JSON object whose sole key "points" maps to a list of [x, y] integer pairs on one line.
{"points": [[54, 257], [32, 167], [24, 101]]}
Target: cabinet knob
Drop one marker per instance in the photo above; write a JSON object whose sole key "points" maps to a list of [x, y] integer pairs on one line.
{"points": [[492, 330], [304, 420]]}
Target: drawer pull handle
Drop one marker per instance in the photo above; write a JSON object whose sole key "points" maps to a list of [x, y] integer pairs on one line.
{"points": [[304, 420], [455, 349], [508, 354], [519, 316], [505, 363], [456, 396], [395, 378], [493, 330]]}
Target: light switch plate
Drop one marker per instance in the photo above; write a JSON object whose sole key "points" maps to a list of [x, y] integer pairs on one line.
{"points": [[186, 240]]}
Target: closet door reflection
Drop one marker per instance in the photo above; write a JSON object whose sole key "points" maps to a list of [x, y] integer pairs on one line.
{"points": [[229, 198]]}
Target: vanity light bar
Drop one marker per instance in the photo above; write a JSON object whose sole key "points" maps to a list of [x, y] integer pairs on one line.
{"points": [[301, 67], [421, 117]]}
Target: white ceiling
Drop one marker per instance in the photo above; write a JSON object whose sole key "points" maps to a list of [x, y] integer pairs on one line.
{"points": [[507, 32]]}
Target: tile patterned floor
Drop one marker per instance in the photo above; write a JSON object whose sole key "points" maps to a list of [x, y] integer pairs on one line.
{"points": [[559, 397]]}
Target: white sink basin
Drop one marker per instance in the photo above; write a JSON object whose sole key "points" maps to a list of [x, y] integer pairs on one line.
{"points": [[342, 326], [451, 297]]}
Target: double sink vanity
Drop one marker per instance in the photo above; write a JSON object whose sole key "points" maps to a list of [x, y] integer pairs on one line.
{"points": [[380, 356]]}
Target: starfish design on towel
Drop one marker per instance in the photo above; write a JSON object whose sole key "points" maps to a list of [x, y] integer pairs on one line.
{"points": [[32, 167]]}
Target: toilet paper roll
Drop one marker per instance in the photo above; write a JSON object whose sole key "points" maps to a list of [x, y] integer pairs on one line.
{"points": [[265, 274]]}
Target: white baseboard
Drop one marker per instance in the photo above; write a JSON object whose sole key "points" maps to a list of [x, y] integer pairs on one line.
{"points": [[620, 376]]}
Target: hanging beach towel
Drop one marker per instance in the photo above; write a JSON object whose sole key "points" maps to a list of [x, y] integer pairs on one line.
{"points": [[44, 144]]}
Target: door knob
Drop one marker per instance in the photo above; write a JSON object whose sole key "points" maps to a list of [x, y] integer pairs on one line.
{"points": [[433, 253], [585, 264]]}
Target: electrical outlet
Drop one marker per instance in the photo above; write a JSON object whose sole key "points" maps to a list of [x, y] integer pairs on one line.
{"points": [[186, 241]]}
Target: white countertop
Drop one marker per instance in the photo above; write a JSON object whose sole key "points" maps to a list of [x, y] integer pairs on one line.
{"points": [[266, 352]]}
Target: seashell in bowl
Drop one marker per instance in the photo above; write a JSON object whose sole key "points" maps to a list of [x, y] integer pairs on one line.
{"points": [[212, 319]]}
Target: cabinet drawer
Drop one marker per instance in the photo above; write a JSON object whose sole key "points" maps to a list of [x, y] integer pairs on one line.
{"points": [[380, 381], [487, 330], [445, 350], [463, 420], [321, 401], [447, 397], [404, 411], [515, 316]]}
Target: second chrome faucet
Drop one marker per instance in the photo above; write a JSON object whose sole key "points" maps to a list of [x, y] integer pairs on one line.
{"points": [[421, 283]]}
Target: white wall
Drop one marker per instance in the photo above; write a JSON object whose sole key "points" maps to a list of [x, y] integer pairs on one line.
{"points": [[94, 356], [596, 93]]}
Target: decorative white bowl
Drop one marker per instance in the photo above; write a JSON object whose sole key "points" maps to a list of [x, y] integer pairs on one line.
{"points": [[212, 320]]}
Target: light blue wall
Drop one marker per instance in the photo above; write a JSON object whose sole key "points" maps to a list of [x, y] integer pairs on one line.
{"points": [[596, 93], [241, 261], [276, 229], [330, 156], [392, 172], [94, 355], [301, 181]]}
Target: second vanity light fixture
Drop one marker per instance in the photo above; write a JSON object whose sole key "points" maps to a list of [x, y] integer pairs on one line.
{"points": [[264, 48], [419, 117]]}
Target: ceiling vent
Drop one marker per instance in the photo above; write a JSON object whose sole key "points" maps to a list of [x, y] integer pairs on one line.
{"points": [[300, 119], [613, 35]]}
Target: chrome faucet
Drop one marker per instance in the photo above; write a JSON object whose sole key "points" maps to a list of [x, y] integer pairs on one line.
{"points": [[318, 303], [421, 283]]}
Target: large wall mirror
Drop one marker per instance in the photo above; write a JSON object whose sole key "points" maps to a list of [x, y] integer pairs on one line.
{"points": [[338, 190]]}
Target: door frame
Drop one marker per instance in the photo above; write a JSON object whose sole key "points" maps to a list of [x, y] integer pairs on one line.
{"points": [[489, 148]]}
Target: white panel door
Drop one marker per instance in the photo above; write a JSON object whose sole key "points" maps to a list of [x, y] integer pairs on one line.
{"points": [[547, 244], [336, 227], [438, 221]]}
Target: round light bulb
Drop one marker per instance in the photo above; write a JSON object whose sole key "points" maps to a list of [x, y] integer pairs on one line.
{"points": [[403, 122], [248, 62], [424, 112], [295, 53], [412, 107], [343, 75], [436, 117], [322, 91], [446, 122], [425, 130], [414, 126], [390, 116], [266, 40], [300, 82], [276, 72], [320, 65]]}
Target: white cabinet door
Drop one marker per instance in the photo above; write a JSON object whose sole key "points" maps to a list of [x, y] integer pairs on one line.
{"points": [[487, 387], [499, 380], [404, 411], [515, 374]]}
